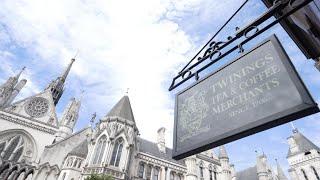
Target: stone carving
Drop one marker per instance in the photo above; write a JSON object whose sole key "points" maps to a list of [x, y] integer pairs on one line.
{"points": [[37, 107]]}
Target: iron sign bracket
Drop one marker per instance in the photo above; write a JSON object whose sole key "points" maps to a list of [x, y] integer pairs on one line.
{"points": [[212, 51]]}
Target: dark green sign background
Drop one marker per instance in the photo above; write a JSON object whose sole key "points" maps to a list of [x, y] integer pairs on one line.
{"points": [[257, 91]]}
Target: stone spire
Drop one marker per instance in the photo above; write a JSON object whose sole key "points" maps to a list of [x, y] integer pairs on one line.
{"points": [[224, 160], [69, 119], [281, 175], [122, 109], [223, 152], [57, 86], [10, 89]]}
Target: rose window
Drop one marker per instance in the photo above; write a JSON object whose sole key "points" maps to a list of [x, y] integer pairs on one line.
{"points": [[37, 107]]}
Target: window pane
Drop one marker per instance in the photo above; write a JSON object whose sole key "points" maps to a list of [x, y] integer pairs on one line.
{"points": [[119, 154], [201, 171], [96, 153], [141, 170], [101, 152], [114, 153]]}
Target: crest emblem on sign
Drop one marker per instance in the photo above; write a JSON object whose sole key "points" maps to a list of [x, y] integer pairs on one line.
{"points": [[193, 110]]}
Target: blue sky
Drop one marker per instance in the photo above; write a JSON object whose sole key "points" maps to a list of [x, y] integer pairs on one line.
{"points": [[138, 45]]}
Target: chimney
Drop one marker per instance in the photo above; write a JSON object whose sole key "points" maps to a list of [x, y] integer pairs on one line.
{"points": [[161, 142]]}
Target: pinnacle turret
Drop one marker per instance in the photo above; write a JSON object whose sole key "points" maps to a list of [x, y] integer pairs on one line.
{"points": [[281, 175], [222, 152], [10, 89], [68, 119], [57, 86]]}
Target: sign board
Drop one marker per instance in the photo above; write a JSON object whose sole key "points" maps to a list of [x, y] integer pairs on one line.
{"points": [[259, 90]]}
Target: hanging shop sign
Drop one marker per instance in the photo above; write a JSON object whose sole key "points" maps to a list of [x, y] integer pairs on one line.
{"points": [[259, 90]]}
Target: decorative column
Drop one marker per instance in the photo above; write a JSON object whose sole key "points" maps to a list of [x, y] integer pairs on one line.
{"points": [[163, 173], [145, 167], [191, 168], [168, 173], [151, 172]]}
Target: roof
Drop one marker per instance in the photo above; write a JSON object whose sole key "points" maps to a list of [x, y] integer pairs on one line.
{"points": [[303, 143], [81, 150], [68, 137], [122, 109], [248, 174], [151, 148]]}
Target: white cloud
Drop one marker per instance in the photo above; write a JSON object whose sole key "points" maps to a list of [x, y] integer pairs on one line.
{"points": [[122, 44]]}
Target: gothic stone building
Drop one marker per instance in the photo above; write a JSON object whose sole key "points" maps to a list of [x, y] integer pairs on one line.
{"points": [[35, 144]]}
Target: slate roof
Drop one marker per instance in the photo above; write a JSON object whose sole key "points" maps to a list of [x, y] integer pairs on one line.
{"points": [[303, 143], [81, 150], [122, 109], [151, 148], [248, 174]]}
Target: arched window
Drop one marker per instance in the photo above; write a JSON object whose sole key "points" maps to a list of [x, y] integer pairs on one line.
{"points": [[201, 169], [315, 173], [116, 153], [304, 174], [75, 163], [79, 164], [148, 172], [210, 172], [69, 162], [141, 170], [14, 148], [99, 150]]}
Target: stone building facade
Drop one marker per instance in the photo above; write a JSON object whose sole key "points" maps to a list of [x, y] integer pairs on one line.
{"points": [[36, 144]]}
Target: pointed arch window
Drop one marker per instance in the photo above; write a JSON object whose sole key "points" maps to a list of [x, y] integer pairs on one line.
{"points": [[99, 150], [12, 148], [304, 174], [201, 169], [116, 153], [210, 173], [315, 173]]}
